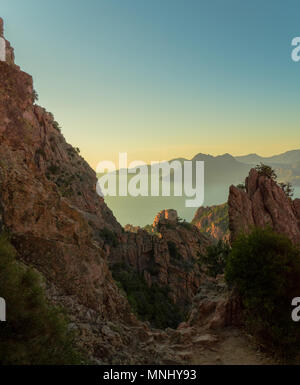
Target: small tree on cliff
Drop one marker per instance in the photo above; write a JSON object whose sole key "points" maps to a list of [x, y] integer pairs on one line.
{"points": [[241, 186], [287, 189], [267, 171], [35, 96]]}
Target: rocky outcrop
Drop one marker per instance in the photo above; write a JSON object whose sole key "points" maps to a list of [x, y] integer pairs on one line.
{"points": [[214, 221], [167, 257], [165, 217], [211, 334], [215, 306], [10, 56], [263, 203]]}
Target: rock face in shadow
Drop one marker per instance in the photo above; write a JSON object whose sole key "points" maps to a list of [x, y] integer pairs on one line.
{"points": [[263, 203], [167, 257]]}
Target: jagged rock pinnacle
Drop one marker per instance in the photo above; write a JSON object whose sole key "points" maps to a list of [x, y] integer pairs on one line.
{"points": [[1, 27], [9, 56]]}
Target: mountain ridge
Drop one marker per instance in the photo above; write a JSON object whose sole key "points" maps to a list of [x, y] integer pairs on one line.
{"points": [[282, 158]]}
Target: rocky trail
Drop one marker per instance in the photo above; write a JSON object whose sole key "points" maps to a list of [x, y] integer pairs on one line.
{"points": [[211, 335]]}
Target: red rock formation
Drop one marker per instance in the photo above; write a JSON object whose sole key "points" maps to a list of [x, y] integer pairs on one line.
{"points": [[168, 257], [10, 56], [165, 217], [215, 306], [264, 203], [214, 221]]}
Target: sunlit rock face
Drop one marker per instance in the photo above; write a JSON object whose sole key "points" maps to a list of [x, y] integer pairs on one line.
{"points": [[164, 217], [263, 204], [214, 221]]}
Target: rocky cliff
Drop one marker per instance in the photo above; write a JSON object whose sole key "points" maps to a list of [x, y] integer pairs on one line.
{"points": [[61, 227], [263, 203], [50, 228], [214, 221], [167, 256], [49, 205]]}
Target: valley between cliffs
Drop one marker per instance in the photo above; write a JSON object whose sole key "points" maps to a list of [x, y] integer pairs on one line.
{"points": [[62, 228]]}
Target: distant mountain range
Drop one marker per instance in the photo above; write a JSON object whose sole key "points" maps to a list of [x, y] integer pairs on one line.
{"points": [[221, 169], [230, 169], [220, 172], [287, 165], [289, 157]]}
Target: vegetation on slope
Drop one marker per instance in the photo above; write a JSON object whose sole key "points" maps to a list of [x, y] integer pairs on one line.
{"points": [[148, 303], [34, 333], [264, 267], [215, 258], [269, 172]]}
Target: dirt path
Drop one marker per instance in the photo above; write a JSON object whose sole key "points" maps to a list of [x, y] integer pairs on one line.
{"points": [[211, 335], [233, 348]]}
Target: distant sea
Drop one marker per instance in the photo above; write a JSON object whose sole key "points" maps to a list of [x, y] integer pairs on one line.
{"points": [[297, 192], [141, 211]]}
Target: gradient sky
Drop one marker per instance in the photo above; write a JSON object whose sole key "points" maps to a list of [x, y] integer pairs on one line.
{"points": [[163, 78]]}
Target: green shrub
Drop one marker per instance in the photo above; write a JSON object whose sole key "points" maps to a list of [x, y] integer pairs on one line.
{"points": [[53, 169], [148, 303], [267, 171], [287, 189], [56, 126], [215, 258], [264, 267], [35, 332], [35, 96], [241, 186]]}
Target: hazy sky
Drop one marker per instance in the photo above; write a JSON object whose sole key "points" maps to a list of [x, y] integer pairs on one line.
{"points": [[163, 78]]}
